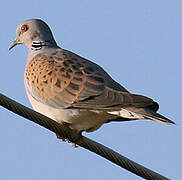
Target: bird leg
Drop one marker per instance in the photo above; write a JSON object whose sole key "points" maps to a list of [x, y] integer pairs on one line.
{"points": [[63, 139]]}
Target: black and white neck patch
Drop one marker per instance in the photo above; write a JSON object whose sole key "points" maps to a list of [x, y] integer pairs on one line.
{"points": [[37, 45]]}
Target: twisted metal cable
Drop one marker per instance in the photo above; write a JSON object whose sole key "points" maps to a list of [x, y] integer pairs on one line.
{"points": [[82, 141]]}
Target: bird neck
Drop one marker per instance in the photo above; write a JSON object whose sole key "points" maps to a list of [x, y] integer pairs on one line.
{"points": [[41, 44]]}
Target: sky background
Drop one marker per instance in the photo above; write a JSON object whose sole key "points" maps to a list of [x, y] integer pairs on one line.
{"points": [[138, 43]]}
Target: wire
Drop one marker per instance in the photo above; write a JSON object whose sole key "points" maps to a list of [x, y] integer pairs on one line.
{"points": [[80, 140]]}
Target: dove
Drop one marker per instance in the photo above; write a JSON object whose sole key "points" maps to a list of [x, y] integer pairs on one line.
{"points": [[72, 90]]}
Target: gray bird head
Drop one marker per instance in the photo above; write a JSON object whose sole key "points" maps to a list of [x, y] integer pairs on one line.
{"points": [[33, 32]]}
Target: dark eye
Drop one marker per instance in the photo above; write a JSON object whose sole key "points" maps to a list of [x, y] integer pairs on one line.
{"points": [[24, 28]]}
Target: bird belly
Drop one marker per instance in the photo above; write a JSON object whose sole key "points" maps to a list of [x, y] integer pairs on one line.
{"points": [[78, 120]]}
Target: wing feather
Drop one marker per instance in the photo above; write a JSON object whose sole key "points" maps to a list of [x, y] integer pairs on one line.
{"points": [[63, 79]]}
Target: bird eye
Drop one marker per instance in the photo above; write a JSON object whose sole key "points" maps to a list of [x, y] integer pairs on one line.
{"points": [[24, 28]]}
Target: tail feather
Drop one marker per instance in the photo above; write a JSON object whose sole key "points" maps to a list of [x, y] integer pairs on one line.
{"points": [[150, 114], [159, 118]]}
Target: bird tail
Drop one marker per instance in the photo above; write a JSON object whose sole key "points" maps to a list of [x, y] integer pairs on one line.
{"points": [[151, 114], [159, 118]]}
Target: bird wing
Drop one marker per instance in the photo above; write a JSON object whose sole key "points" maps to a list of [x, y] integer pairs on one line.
{"points": [[63, 79]]}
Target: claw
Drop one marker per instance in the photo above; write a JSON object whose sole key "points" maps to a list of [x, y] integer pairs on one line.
{"points": [[63, 139]]}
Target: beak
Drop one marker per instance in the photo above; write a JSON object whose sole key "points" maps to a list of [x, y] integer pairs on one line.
{"points": [[14, 43]]}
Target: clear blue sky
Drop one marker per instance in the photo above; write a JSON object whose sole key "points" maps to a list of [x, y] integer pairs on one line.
{"points": [[139, 43]]}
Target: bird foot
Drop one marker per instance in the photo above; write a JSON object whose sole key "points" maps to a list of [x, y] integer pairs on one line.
{"points": [[63, 139]]}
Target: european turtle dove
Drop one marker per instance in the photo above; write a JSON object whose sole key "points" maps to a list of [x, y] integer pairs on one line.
{"points": [[73, 90]]}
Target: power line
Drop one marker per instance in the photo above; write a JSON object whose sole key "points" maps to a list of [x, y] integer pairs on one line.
{"points": [[82, 141]]}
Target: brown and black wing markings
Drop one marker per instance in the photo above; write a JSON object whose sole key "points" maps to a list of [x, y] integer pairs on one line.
{"points": [[63, 79]]}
